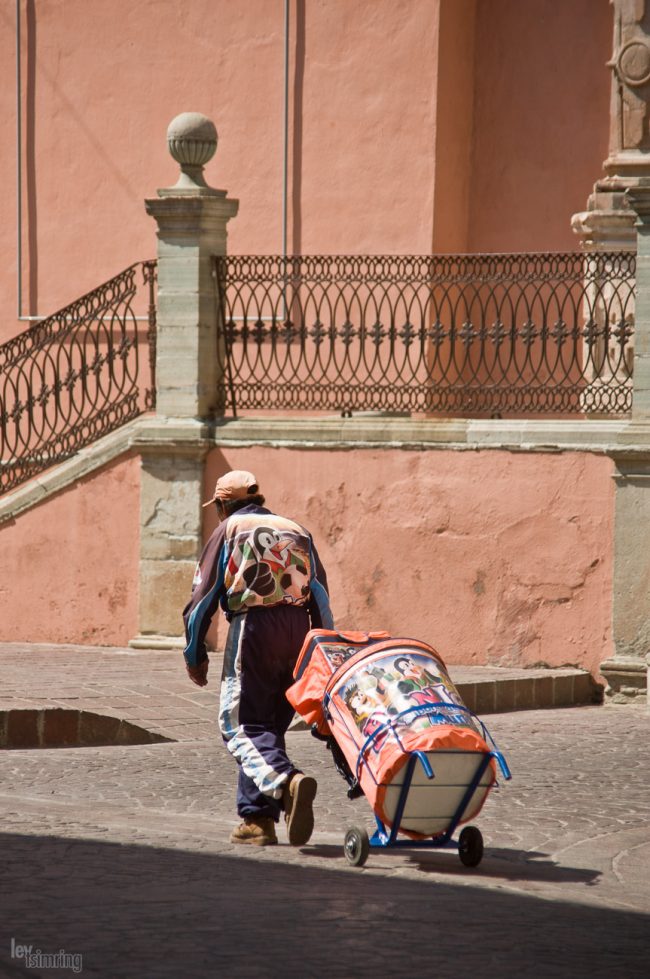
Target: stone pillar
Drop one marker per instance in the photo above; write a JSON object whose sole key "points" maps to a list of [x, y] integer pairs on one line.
{"points": [[626, 671], [191, 219], [613, 221], [170, 537], [608, 222]]}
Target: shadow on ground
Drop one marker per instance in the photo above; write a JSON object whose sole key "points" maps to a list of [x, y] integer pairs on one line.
{"points": [[505, 864], [140, 911]]}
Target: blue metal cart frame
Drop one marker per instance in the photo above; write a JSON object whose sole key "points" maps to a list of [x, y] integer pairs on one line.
{"points": [[470, 841]]}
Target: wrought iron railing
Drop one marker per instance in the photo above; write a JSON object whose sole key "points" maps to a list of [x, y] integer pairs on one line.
{"points": [[77, 375], [470, 335]]}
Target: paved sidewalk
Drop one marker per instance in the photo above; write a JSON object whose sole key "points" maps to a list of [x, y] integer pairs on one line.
{"points": [[149, 687], [120, 854]]}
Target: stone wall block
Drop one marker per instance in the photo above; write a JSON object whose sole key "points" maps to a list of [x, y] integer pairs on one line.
{"points": [[164, 591], [485, 697]]}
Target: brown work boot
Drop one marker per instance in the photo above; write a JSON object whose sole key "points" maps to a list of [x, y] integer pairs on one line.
{"points": [[256, 830], [297, 799]]}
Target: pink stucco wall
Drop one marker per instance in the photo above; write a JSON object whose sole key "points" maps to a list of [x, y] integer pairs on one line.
{"points": [[542, 99], [69, 567], [493, 557], [415, 125], [101, 82], [478, 124]]}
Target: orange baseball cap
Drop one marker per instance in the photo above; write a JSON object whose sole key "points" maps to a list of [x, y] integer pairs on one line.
{"points": [[234, 485]]}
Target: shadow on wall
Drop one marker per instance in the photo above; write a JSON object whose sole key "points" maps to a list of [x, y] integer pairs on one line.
{"points": [[30, 159], [296, 155], [136, 910]]}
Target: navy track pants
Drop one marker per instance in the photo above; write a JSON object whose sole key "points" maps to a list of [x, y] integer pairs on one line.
{"points": [[261, 651]]}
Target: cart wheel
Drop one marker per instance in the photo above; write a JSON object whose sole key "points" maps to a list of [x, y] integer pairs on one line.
{"points": [[470, 846], [356, 846]]}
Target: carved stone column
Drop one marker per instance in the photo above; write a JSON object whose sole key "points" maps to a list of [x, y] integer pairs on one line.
{"points": [[608, 222], [607, 225], [191, 219], [626, 672]]}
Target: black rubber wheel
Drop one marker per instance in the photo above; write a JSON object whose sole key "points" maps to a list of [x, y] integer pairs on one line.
{"points": [[356, 846], [470, 846]]}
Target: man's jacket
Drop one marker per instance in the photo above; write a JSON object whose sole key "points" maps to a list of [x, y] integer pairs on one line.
{"points": [[254, 559]]}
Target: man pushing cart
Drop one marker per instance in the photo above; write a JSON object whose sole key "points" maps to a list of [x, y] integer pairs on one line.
{"points": [[387, 708]]}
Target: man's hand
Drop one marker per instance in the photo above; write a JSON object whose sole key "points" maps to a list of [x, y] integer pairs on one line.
{"points": [[199, 674]]}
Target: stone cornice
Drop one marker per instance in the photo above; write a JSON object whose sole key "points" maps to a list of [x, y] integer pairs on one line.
{"points": [[182, 215], [624, 441], [604, 437], [180, 436]]}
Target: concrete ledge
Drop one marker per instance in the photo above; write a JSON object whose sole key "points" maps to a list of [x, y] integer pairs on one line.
{"points": [[148, 434], [526, 689], [627, 681], [620, 438], [606, 437], [148, 641], [67, 473]]}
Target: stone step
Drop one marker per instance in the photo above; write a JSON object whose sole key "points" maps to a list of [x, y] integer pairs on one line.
{"points": [[493, 690], [497, 690]]}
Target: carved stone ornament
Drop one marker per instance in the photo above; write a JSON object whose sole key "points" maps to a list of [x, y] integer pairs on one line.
{"points": [[192, 142], [633, 63], [630, 63], [608, 222]]}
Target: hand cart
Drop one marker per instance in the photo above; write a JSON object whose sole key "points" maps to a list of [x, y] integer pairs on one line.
{"points": [[399, 734], [417, 772]]}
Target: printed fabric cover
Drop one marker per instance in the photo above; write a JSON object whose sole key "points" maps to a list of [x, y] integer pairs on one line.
{"points": [[365, 690], [268, 562]]}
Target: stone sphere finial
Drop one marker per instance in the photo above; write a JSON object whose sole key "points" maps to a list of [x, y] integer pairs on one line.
{"points": [[192, 142], [192, 138]]}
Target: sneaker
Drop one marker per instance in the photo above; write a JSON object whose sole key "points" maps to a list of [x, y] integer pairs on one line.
{"points": [[297, 798], [258, 831]]}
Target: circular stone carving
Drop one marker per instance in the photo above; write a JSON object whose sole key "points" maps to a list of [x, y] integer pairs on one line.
{"points": [[634, 63], [192, 139]]}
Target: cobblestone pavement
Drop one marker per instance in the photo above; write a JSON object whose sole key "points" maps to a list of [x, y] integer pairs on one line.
{"points": [[120, 855]]}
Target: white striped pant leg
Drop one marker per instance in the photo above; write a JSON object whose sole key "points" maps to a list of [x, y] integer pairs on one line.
{"points": [[260, 782]]}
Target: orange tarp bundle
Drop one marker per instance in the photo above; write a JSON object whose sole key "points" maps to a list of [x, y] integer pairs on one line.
{"points": [[383, 698]]}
